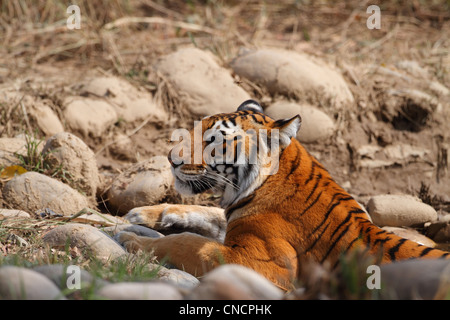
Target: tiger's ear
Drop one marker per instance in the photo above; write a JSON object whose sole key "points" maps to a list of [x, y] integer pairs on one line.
{"points": [[250, 105], [288, 129]]}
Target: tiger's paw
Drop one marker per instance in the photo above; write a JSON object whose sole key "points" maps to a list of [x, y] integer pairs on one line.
{"points": [[129, 240], [206, 221]]}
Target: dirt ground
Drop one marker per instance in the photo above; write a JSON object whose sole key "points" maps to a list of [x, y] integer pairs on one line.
{"points": [[38, 54]]}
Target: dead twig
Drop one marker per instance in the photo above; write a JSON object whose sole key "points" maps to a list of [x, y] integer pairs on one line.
{"points": [[135, 130], [158, 20]]}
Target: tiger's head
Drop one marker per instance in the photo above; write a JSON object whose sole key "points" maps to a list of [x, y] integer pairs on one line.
{"points": [[230, 153]]}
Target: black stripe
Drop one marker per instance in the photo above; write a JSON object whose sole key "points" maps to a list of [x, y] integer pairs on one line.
{"points": [[392, 251], [444, 256], [317, 239], [236, 226], [311, 204], [335, 242], [425, 251], [318, 178], [340, 225], [351, 243], [327, 214], [358, 210], [239, 205], [296, 163], [311, 175], [381, 241]]}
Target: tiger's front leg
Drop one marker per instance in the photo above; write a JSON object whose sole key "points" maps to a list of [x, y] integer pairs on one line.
{"points": [[190, 252]]}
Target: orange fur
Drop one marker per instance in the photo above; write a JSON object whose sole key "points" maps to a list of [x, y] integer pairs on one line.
{"points": [[297, 214]]}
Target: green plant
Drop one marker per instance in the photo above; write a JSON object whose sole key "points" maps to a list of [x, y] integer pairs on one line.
{"points": [[33, 159], [37, 161]]}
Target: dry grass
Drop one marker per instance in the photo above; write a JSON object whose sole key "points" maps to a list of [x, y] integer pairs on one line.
{"points": [[34, 34], [37, 29]]}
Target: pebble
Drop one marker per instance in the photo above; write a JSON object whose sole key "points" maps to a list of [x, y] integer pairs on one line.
{"points": [[309, 130], [178, 277], [15, 145], [140, 291], [59, 274], [33, 191], [8, 159], [70, 154], [144, 183], [416, 279], [89, 117], [399, 210], [130, 103], [234, 282], [204, 96], [293, 74], [11, 213], [46, 119], [17, 283], [85, 237]]}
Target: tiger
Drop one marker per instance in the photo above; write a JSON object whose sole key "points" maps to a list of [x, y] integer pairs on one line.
{"points": [[275, 219]]}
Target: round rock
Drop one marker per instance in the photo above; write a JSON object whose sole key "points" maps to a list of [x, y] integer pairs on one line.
{"points": [[140, 291], [416, 279], [235, 282], [18, 283], [69, 153], [399, 210], [292, 73], [59, 274], [129, 103], [13, 145], [46, 119], [316, 125], [145, 183], [85, 237], [178, 277], [11, 213], [205, 87], [89, 117], [33, 191], [411, 234]]}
